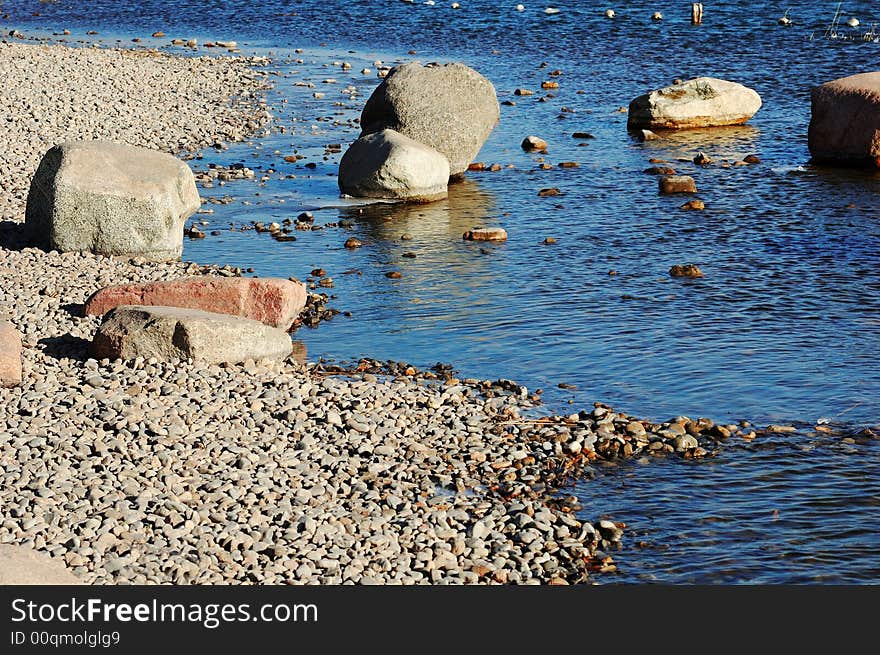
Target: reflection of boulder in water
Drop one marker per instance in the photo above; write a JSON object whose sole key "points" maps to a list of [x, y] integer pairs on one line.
{"points": [[733, 142], [468, 205]]}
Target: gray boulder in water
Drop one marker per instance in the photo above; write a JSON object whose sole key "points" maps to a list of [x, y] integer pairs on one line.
{"points": [[389, 165], [111, 199], [450, 107]]}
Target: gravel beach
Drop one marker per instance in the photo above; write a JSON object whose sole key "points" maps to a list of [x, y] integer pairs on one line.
{"points": [[154, 472]]}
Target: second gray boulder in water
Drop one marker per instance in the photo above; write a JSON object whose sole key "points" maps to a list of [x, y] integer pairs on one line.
{"points": [[111, 199], [451, 108], [168, 333], [701, 102], [387, 164]]}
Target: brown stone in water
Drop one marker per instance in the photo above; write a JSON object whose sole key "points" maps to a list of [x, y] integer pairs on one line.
{"points": [[694, 205], [677, 184], [568, 164], [352, 242], [523, 92], [477, 166], [486, 234], [752, 159], [553, 191], [685, 270], [659, 170], [549, 84], [845, 121]]}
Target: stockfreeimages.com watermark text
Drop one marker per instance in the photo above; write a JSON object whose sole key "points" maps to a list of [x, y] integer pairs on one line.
{"points": [[208, 615]]}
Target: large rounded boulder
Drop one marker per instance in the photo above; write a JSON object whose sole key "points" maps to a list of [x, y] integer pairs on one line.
{"points": [[389, 165], [111, 199], [701, 102], [845, 121], [450, 107]]}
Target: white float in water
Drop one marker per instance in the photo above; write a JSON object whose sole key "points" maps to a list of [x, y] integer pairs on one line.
{"points": [[520, 8], [609, 13], [853, 22], [785, 20], [455, 5], [430, 3], [656, 16], [551, 10]]}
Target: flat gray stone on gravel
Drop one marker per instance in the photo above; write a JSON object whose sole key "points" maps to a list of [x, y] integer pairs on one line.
{"points": [[131, 331]]}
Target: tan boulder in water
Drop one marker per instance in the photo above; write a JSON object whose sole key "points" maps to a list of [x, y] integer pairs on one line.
{"points": [[701, 102]]}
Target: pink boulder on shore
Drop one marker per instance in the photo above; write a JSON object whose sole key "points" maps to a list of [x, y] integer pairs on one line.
{"points": [[10, 355], [272, 301]]}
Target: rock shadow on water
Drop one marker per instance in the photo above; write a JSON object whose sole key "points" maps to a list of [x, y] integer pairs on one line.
{"points": [[732, 141], [467, 205]]}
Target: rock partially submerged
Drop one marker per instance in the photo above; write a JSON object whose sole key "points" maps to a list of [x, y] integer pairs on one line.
{"points": [[172, 333], [701, 102], [677, 184], [845, 121], [451, 108], [111, 199], [273, 301], [20, 565], [485, 234], [10, 355], [387, 164]]}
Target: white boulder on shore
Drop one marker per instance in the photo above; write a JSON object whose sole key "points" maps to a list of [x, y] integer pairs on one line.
{"points": [[132, 331], [387, 164], [845, 120], [111, 199], [450, 107], [701, 102]]}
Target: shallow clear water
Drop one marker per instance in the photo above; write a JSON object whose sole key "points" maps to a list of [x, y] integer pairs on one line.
{"points": [[784, 327]]}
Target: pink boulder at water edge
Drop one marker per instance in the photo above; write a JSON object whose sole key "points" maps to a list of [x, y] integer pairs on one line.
{"points": [[845, 121], [272, 301], [10, 355]]}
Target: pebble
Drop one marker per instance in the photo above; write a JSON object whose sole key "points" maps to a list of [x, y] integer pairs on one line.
{"points": [[533, 143], [486, 234]]}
